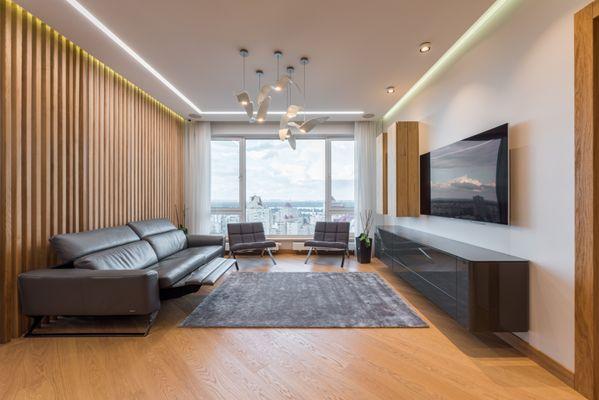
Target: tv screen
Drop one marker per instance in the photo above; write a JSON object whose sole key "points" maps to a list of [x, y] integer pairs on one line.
{"points": [[468, 179]]}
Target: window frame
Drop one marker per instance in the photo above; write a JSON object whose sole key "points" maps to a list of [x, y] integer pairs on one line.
{"points": [[329, 209]]}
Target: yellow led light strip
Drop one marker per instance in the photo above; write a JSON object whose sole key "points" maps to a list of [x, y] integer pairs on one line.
{"points": [[496, 10], [83, 11]]}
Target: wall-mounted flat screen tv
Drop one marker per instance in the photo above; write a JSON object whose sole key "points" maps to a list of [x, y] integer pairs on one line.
{"points": [[468, 179]]}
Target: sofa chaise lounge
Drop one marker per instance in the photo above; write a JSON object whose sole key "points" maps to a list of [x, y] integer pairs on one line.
{"points": [[121, 271]]}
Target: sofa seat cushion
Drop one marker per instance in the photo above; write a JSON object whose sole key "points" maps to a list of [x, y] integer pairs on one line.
{"points": [[136, 255], [177, 266], [167, 243], [327, 245], [253, 246]]}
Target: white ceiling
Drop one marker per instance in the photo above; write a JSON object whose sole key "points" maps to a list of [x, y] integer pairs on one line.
{"points": [[356, 47]]}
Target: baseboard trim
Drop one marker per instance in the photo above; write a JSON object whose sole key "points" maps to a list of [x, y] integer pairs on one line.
{"points": [[561, 372]]}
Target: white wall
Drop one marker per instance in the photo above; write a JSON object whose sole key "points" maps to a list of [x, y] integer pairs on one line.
{"points": [[521, 73]]}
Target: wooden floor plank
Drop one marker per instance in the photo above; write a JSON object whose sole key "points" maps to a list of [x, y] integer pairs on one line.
{"points": [[440, 362]]}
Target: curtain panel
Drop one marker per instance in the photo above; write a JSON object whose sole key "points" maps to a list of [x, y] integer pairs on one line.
{"points": [[197, 177]]}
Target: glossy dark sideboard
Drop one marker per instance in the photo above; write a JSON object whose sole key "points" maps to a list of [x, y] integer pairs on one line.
{"points": [[484, 290]]}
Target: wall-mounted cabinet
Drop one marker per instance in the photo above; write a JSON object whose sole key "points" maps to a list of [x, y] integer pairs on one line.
{"points": [[398, 176]]}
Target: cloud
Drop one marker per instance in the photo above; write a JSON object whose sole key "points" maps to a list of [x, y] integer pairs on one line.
{"points": [[463, 187]]}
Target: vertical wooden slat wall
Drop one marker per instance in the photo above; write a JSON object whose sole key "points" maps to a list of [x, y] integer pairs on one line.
{"points": [[80, 148]]}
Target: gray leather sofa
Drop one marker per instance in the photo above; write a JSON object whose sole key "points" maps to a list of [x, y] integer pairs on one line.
{"points": [[119, 271]]}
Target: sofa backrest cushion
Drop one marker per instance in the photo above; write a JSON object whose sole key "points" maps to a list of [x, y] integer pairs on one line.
{"points": [[135, 255], [167, 243], [151, 227], [72, 246], [332, 232], [245, 232]]}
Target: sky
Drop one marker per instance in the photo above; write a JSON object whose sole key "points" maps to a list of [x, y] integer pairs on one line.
{"points": [[276, 172], [465, 169]]}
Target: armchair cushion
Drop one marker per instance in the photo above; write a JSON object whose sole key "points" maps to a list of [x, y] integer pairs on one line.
{"points": [[245, 232], [327, 245], [252, 246], [332, 232]]}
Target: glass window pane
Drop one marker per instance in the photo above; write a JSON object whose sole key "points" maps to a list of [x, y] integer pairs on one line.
{"points": [[285, 188], [218, 222], [342, 174], [224, 170], [347, 216]]}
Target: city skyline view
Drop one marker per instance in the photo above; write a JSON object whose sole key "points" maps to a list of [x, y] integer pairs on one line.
{"points": [[285, 188]]}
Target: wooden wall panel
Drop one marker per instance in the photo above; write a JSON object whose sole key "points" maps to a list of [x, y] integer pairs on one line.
{"points": [[403, 169], [80, 148], [586, 134]]}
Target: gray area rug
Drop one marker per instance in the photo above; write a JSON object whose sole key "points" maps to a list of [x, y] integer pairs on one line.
{"points": [[303, 300]]}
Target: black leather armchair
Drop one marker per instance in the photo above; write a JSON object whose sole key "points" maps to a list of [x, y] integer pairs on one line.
{"points": [[330, 236], [249, 236]]}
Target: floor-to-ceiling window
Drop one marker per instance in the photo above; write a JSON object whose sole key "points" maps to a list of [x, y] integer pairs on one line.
{"points": [[225, 183], [260, 179], [285, 188]]}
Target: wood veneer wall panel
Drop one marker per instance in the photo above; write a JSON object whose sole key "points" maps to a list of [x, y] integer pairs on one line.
{"points": [[407, 170], [80, 148], [586, 283]]}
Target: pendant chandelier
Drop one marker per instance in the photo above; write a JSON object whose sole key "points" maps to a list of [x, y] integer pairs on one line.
{"points": [[289, 127]]}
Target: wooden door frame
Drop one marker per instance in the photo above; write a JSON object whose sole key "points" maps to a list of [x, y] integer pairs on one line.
{"points": [[586, 137]]}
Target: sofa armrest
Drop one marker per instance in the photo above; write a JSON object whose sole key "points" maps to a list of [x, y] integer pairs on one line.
{"points": [[205, 240], [81, 292]]}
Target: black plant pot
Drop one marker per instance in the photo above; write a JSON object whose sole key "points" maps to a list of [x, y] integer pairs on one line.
{"points": [[363, 252]]}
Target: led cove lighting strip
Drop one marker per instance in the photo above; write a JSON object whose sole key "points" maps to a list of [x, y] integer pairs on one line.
{"points": [[449, 55], [284, 112], [83, 11]]}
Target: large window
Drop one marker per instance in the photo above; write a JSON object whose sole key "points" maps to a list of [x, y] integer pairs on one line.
{"points": [[285, 188], [342, 181], [225, 182], [263, 180]]}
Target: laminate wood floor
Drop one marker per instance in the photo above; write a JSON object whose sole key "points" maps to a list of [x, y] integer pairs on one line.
{"points": [[442, 362]]}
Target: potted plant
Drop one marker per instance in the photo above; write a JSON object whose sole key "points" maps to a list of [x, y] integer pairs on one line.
{"points": [[364, 241], [181, 221]]}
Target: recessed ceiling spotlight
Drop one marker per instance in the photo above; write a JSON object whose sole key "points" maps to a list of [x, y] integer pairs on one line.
{"points": [[425, 47], [390, 89], [367, 115]]}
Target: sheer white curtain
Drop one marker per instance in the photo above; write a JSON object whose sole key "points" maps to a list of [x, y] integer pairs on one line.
{"points": [[197, 177], [365, 168]]}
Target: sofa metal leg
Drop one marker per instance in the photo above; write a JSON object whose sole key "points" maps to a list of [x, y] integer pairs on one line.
{"points": [[37, 320], [309, 254], [271, 257], [342, 259]]}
